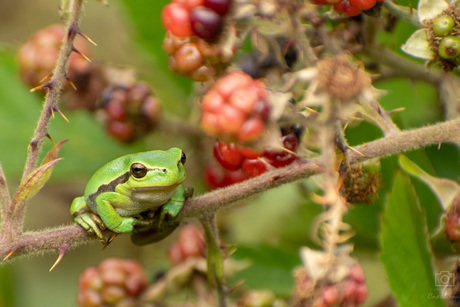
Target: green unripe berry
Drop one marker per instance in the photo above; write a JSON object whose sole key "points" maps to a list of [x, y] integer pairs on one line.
{"points": [[442, 25], [449, 47]]}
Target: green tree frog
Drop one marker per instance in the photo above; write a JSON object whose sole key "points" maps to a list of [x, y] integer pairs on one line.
{"points": [[121, 192]]}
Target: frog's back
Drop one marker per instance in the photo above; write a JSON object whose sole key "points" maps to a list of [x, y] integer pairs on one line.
{"points": [[109, 176]]}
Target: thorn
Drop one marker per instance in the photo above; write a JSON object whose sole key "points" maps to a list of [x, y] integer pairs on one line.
{"points": [[80, 54], [50, 138], [86, 37], [62, 251], [42, 87], [46, 77], [357, 151], [236, 286], [110, 241], [439, 146], [9, 255], [345, 127], [312, 110], [396, 110], [71, 83], [60, 113]]}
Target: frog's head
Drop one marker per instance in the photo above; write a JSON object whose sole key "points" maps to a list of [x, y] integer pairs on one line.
{"points": [[156, 169]]}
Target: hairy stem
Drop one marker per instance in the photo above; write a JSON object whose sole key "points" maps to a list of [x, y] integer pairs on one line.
{"points": [[54, 87], [408, 14], [445, 132]]}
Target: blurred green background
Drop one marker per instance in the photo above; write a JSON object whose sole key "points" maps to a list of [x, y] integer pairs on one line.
{"points": [[269, 230]]}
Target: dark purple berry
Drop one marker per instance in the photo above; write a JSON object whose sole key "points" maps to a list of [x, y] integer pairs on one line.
{"points": [[221, 7], [206, 23]]}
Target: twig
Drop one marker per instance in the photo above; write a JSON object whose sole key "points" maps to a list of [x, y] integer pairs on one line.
{"points": [[54, 87], [408, 14], [445, 132]]}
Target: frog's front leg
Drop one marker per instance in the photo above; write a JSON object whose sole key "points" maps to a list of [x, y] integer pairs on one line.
{"points": [[105, 207], [175, 204], [85, 218]]}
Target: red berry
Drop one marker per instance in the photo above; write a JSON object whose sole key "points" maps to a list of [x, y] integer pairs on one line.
{"points": [[363, 4], [251, 130], [188, 58], [232, 177], [176, 18], [345, 7], [206, 23], [290, 141], [122, 131], [253, 167], [279, 159], [115, 110], [221, 7], [250, 153], [228, 155]]}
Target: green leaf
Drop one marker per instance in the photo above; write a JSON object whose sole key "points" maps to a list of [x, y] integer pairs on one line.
{"points": [[53, 152], [34, 182], [406, 253], [215, 259], [445, 189]]}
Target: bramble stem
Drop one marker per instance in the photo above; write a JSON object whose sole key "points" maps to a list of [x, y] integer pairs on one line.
{"points": [[54, 87], [445, 132]]}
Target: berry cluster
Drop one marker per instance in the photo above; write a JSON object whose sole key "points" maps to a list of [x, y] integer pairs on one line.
{"points": [[235, 108], [193, 28], [202, 18], [240, 163], [190, 243], [445, 37], [350, 7], [361, 182], [351, 291], [38, 56], [115, 282], [130, 111]]}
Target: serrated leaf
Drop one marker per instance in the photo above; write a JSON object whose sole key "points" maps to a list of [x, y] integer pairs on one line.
{"points": [[445, 189], [428, 9], [418, 46], [406, 253], [34, 182]]}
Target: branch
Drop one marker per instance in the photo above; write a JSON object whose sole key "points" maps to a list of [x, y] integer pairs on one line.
{"points": [[54, 87], [445, 132]]}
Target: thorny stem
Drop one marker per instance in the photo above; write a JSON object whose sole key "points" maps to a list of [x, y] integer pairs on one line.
{"points": [[405, 13], [50, 105], [445, 132], [13, 240]]}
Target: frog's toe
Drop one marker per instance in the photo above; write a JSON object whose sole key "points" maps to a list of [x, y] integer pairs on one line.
{"points": [[91, 224]]}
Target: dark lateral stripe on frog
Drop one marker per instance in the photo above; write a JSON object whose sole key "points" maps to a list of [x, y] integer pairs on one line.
{"points": [[110, 187]]}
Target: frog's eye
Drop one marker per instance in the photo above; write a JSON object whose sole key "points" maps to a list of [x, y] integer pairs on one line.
{"points": [[138, 170], [183, 158]]}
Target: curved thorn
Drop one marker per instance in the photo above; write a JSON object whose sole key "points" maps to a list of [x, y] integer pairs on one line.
{"points": [[62, 251], [80, 54], [86, 37], [50, 138], [236, 286], [46, 77], [110, 241], [60, 113], [9, 255], [41, 87], [71, 83]]}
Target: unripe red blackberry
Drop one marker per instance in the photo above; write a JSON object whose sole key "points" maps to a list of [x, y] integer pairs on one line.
{"points": [[38, 56], [190, 243], [341, 290], [452, 219], [130, 112], [235, 108], [115, 282], [442, 25], [346, 7], [363, 4], [194, 58]]}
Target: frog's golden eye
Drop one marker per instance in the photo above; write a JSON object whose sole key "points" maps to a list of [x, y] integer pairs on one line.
{"points": [[183, 158], [138, 170]]}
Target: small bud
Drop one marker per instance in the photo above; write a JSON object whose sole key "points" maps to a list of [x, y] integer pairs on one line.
{"points": [[449, 47], [442, 25]]}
